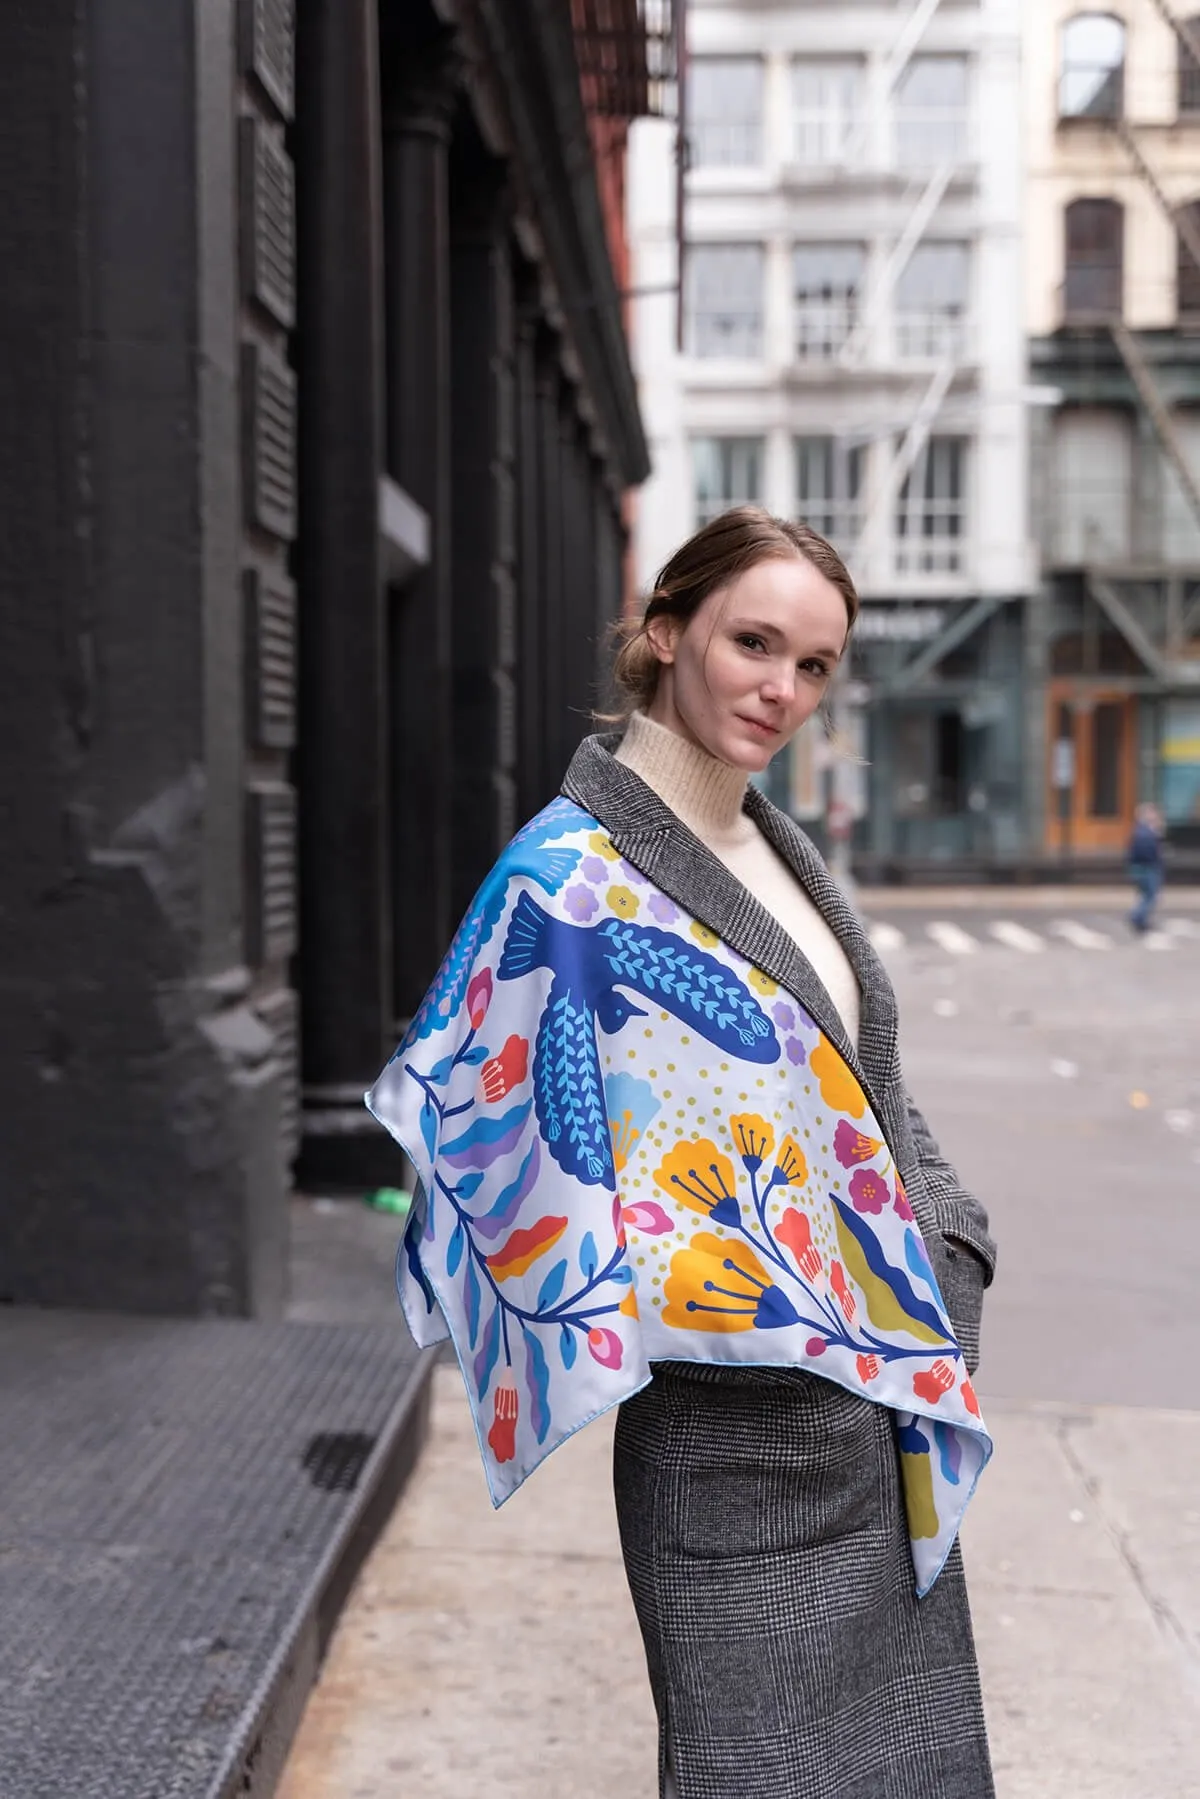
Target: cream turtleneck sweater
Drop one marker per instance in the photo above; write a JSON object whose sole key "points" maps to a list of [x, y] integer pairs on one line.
{"points": [[707, 795]]}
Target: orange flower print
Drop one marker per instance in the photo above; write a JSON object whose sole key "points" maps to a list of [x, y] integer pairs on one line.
{"points": [[753, 1139], [505, 1071], [718, 1284], [503, 1435], [791, 1164], [846, 1299], [795, 1233], [839, 1089], [868, 1368], [697, 1175], [969, 1399], [524, 1247], [937, 1381], [623, 901]]}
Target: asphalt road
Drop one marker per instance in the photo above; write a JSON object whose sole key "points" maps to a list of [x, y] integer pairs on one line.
{"points": [[1057, 1058]]}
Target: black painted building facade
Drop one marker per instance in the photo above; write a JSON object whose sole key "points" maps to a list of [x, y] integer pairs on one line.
{"points": [[319, 418]]}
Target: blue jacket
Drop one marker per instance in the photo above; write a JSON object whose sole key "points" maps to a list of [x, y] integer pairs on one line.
{"points": [[1145, 847]]}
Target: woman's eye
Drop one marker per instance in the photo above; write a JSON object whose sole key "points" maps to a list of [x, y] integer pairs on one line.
{"points": [[749, 642], [815, 666]]}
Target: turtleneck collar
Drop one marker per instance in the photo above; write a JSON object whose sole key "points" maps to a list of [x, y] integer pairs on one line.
{"points": [[704, 792]]}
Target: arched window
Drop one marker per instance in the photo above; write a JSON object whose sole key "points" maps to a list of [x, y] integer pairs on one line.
{"points": [[1092, 81], [1188, 67], [1187, 269], [1095, 259]]}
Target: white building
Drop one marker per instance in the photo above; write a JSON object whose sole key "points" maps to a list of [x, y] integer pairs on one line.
{"points": [[854, 355]]}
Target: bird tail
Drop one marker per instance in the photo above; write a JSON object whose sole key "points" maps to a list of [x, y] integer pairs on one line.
{"points": [[527, 945]]}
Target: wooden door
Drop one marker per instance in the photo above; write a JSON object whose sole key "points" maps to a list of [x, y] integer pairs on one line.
{"points": [[1091, 778]]}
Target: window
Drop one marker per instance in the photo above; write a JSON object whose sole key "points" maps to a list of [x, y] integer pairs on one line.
{"points": [[1180, 525], [1188, 67], [931, 511], [725, 111], [931, 302], [830, 483], [827, 109], [725, 293], [1187, 269], [1092, 84], [727, 471], [1095, 259], [827, 284], [1093, 464], [931, 112]]}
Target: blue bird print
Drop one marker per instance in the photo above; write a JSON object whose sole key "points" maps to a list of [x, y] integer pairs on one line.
{"points": [[590, 963], [525, 855]]}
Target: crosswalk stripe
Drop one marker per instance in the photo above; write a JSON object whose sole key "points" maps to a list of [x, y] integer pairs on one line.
{"points": [[1158, 940], [1016, 936], [1081, 935], [886, 937], [950, 937], [1180, 927]]}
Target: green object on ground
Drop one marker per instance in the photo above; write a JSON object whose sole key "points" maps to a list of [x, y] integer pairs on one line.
{"points": [[390, 1199]]}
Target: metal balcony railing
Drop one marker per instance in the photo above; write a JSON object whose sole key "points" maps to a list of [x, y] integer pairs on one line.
{"points": [[628, 56]]}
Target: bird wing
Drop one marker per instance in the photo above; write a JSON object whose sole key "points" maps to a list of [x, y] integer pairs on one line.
{"points": [[567, 1088], [693, 985]]}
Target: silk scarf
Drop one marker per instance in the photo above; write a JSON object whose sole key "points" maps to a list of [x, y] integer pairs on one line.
{"points": [[631, 1146]]}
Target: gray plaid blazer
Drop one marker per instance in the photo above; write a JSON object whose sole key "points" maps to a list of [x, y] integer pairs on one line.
{"points": [[760, 1510]]}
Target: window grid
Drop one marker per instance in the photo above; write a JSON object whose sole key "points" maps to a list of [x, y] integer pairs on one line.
{"points": [[827, 112], [931, 115], [1187, 270], [726, 471], [931, 302], [931, 511], [830, 486], [725, 289], [1092, 77], [827, 281], [1189, 72], [726, 107], [1094, 259]]}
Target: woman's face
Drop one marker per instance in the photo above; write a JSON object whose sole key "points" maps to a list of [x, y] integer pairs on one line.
{"points": [[752, 663]]}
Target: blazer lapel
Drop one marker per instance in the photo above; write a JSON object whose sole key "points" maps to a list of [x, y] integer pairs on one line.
{"points": [[653, 839]]}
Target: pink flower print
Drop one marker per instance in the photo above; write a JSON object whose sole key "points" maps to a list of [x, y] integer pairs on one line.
{"points": [[593, 869], [903, 1209], [648, 1217], [505, 1071], [868, 1191], [581, 902], [503, 1435], [479, 998], [931, 1386], [784, 1017], [605, 1347], [850, 1146], [795, 1051], [663, 909]]}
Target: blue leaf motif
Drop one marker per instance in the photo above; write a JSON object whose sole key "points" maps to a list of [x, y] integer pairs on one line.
{"points": [[454, 1250], [621, 1277], [487, 1139], [568, 1348], [538, 1376], [495, 1221], [439, 1074], [489, 1349], [472, 1303], [475, 1055], [589, 1259], [411, 1239], [429, 1126], [469, 1185], [552, 1286]]}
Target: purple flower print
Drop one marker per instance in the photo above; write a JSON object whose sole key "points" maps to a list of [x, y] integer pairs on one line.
{"points": [[630, 873], [581, 902], [663, 909], [795, 1051], [784, 1017], [593, 869], [868, 1191]]}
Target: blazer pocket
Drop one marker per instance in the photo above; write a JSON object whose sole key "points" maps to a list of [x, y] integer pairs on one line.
{"points": [[961, 1278]]}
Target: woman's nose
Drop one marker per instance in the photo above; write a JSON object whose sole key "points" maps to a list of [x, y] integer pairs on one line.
{"points": [[780, 683]]}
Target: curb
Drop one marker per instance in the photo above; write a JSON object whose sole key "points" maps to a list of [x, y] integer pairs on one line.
{"points": [[266, 1729]]}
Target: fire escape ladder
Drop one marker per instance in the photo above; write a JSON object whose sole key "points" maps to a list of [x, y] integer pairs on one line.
{"points": [[1131, 629], [855, 347], [915, 439], [1180, 217], [911, 33], [1182, 29], [1156, 408]]}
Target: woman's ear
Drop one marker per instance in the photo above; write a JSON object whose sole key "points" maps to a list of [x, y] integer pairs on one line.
{"points": [[662, 634]]}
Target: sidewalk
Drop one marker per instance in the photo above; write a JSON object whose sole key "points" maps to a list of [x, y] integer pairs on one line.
{"points": [[496, 1656]]}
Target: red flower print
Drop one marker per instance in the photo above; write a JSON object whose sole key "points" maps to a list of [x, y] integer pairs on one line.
{"points": [[795, 1233], [605, 1347], [851, 1147], [969, 1399], [479, 998], [837, 1280], [931, 1386], [903, 1209], [505, 1071], [868, 1191], [868, 1367], [503, 1435]]}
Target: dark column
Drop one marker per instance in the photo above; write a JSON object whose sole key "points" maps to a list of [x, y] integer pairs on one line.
{"points": [[484, 521], [420, 89], [551, 476], [139, 1126], [579, 582], [530, 689], [345, 975]]}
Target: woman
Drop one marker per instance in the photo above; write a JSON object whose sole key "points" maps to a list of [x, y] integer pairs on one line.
{"points": [[791, 1281]]}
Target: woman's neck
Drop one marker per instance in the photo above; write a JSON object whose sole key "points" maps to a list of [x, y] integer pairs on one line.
{"points": [[704, 792]]}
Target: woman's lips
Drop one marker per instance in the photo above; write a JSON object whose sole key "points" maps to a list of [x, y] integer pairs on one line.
{"points": [[756, 724]]}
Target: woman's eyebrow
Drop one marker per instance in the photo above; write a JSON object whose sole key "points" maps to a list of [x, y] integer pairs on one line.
{"points": [[775, 635]]}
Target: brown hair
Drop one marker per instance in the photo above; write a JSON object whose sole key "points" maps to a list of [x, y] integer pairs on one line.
{"points": [[710, 559]]}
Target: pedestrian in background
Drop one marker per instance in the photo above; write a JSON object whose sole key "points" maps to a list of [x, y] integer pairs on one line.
{"points": [[692, 1182], [1146, 864]]}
